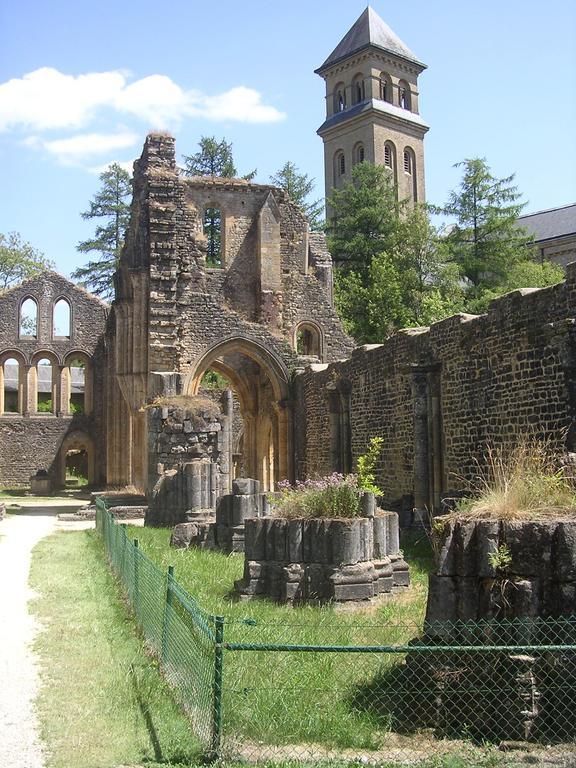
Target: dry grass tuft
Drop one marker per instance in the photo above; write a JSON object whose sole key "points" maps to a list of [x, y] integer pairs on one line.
{"points": [[191, 403], [526, 483]]}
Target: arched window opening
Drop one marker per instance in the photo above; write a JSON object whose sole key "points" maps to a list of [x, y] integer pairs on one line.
{"points": [[339, 167], [308, 341], [61, 320], [359, 153], [213, 235], [404, 95], [29, 319], [385, 88], [388, 156], [77, 402], [340, 98], [45, 389], [408, 161], [358, 90], [10, 386], [76, 467]]}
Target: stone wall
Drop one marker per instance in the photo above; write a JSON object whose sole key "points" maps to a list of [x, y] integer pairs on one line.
{"points": [[439, 395], [30, 440]]}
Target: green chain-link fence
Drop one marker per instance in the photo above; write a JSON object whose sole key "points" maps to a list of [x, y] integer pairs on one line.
{"points": [[313, 685]]}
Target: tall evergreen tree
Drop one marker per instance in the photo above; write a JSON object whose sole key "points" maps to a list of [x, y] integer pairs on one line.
{"points": [[111, 204], [214, 159], [19, 260], [492, 253], [299, 186]]}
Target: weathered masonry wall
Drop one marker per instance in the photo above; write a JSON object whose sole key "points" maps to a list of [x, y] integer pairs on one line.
{"points": [[439, 396], [32, 438]]}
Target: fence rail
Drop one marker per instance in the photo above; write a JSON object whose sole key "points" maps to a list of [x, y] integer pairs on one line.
{"points": [[315, 685]]}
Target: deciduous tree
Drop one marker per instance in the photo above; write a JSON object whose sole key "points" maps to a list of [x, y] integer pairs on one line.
{"points": [[19, 260]]}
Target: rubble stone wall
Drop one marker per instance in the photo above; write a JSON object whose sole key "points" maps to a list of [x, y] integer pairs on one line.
{"points": [[438, 396]]}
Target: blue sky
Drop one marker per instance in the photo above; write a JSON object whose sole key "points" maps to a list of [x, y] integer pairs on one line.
{"points": [[81, 84]]}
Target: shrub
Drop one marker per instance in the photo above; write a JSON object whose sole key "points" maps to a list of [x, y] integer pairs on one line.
{"points": [[525, 482], [332, 496], [367, 466]]}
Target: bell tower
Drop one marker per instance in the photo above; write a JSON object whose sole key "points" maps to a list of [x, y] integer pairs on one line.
{"points": [[372, 107]]}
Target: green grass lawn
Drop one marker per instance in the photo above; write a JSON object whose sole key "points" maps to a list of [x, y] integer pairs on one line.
{"points": [[102, 701], [104, 704], [287, 697]]}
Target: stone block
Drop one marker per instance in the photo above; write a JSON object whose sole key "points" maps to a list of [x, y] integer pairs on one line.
{"points": [[315, 582], [358, 591], [393, 537], [254, 539], [368, 502], [564, 551], [530, 545], [345, 538], [445, 547], [224, 510], [268, 523], [353, 574], [279, 534], [442, 604], [379, 537], [245, 486], [467, 599], [465, 559], [487, 543], [243, 507], [295, 549]]}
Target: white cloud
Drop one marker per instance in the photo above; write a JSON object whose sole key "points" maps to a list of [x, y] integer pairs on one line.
{"points": [[128, 166], [47, 99], [84, 146]]}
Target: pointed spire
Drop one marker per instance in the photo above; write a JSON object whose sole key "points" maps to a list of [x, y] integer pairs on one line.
{"points": [[369, 29]]}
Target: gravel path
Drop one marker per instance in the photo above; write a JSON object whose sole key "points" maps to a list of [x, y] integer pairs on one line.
{"points": [[20, 746]]}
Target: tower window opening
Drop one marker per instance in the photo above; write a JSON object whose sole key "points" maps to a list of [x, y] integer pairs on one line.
{"points": [[404, 95], [385, 88], [359, 155], [358, 89], [340, 98], [213, 235], [341, 165], [408, 162], [387, 156]]}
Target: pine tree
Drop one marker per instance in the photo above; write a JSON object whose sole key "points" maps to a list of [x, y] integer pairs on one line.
{"points": [[298, 187], [485, 242], [214, 159], [111, 203]]}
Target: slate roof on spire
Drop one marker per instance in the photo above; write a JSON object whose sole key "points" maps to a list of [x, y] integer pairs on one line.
{"points": [[369, 29]]}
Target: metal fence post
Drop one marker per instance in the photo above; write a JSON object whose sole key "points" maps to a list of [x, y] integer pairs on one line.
{"points": [[217, 687], [136, 584], [167, 610]]}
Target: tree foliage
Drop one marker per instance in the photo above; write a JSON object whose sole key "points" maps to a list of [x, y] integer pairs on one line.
{"points": [[492, 253], [111, 205], [388, 271], [298, 187], [19, 260], [214, 159]]}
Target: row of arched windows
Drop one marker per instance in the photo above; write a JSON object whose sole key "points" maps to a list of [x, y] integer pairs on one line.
{"points": [[390, 161], [28, 319], [399, 94], [45, 387]]}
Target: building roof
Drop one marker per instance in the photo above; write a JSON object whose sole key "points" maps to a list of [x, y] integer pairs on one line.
{"points": [[380, 106], [551, 223], [369, 29]]}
